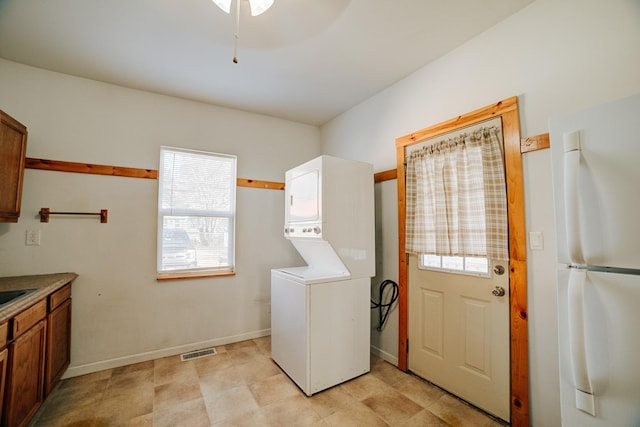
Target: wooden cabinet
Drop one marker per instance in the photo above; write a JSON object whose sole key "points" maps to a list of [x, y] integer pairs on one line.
{"points": [[58, 337], [25, 368], [4, 355], [13, 149], [34, 344]]}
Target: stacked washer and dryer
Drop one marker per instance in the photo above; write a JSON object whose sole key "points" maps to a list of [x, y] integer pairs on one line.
{"points": [[320, 313]]}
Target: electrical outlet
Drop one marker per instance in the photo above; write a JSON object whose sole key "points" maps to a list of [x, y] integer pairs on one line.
{"points": [[33, 238]]}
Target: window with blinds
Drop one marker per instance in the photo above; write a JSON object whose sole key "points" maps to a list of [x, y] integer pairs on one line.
{"points": [[196, 213]]}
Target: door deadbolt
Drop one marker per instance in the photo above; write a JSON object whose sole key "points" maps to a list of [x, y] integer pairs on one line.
{"points": [[498, 269], [498, 291]]}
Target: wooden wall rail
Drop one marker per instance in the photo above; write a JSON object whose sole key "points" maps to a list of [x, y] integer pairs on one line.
{"points": [[533, 143], [385, 175], [267, 185], [61, 166]]}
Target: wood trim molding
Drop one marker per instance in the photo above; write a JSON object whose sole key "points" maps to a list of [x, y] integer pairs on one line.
{"points": [[385, 175], [477, 116], [266, 185], [62, 166], [508, 110], [534, 143]]}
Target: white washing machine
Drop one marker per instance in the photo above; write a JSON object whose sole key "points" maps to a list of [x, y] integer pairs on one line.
{"points": [[320, 327]]}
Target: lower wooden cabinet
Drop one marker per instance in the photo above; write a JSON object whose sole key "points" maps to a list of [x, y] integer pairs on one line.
{"points": [[58, 338], [35, 350], [25, 376], [35, 345], [4, 355]]}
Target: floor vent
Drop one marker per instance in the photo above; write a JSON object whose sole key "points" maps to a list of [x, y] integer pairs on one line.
{"points": [[197, 354]]}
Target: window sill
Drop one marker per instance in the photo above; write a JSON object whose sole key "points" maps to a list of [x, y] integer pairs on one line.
{"points": [[193, 275]]}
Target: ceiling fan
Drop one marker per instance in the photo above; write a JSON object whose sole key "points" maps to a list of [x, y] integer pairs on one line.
{"points": [[257, 6]]}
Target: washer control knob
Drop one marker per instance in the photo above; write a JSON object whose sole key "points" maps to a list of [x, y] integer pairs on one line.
{"points": [[316, 230]]}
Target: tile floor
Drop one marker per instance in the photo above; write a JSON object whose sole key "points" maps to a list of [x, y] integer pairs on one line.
{"points": [[242, 386]]}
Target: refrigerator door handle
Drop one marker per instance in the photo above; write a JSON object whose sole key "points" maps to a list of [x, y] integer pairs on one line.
{"points": [[577, 346], [571, 195]]}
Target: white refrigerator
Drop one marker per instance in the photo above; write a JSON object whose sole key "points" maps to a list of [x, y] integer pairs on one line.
{"points": [[596, 174]]}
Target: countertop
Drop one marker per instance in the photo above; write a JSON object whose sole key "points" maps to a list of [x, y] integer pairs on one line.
{"points": [[45, 284]]}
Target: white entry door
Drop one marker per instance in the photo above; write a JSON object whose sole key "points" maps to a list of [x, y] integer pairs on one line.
{"points": [[459, 333]]}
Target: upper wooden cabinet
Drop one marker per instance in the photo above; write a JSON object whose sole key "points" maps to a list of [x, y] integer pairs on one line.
{"points": [[13, 149]]}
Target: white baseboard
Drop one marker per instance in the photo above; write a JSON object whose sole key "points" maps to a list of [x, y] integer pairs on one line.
{"points": [[74, 371], [384, 355]]}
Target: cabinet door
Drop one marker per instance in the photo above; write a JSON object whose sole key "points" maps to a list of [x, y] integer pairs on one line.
{"points": [[13, 142], [3, 375], [25, 378], [58, 344]]}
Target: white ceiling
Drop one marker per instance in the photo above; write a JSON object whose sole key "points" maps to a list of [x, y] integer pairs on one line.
{"points": [[302, 60]]}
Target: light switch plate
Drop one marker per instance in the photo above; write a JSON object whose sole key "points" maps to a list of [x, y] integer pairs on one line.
{"points": [[536, 242], [33, 238]]}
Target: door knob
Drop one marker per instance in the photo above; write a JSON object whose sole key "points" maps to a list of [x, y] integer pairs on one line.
{"points": [[498, 291]]}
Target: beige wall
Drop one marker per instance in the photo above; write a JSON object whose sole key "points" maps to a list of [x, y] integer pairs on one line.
{"points": [[556, 56], [121, 314]]}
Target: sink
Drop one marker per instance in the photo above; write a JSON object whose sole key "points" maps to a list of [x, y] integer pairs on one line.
{"points": [[9, 296]]}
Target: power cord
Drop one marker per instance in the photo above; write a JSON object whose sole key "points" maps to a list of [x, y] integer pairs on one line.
{"points": [[386, 308]]}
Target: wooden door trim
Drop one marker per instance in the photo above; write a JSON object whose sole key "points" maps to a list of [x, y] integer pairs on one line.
{"points": [[508, 110]]}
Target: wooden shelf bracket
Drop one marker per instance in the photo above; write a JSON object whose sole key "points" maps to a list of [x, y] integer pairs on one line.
{"points": [[45, 212]]}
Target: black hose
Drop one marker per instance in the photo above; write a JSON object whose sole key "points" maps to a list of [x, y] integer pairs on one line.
{"points": [[387, 306]]}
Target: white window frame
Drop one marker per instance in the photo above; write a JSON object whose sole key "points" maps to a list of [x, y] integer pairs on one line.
{"points": [[424, 266], [184, 212]]}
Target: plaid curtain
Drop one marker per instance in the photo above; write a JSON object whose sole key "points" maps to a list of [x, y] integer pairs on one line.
{"points": [[456, 199]]}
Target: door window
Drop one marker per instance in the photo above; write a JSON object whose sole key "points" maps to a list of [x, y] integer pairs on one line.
{"points": [[455, 264]]}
